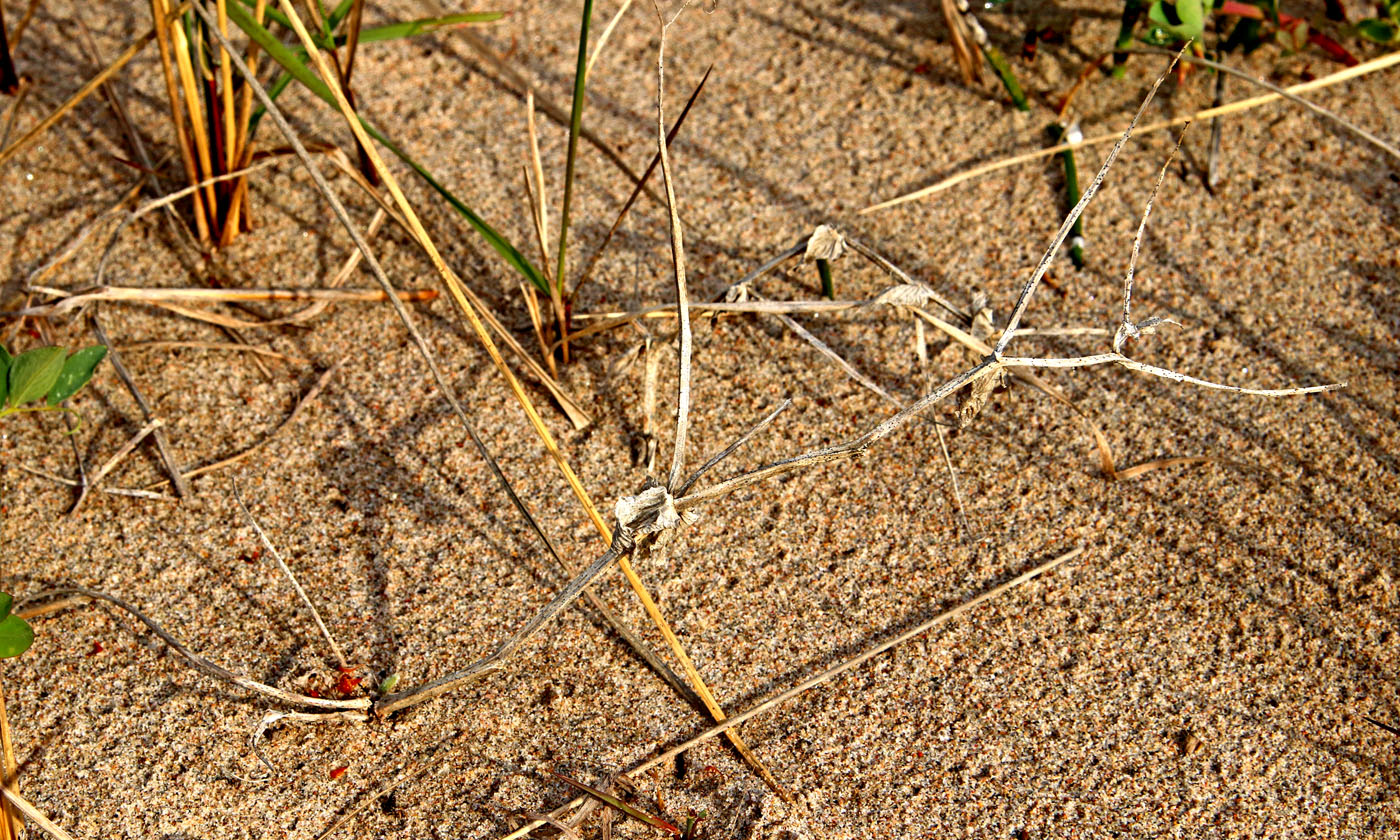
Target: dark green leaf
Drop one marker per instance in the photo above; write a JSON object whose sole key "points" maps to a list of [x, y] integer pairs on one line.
{"points": [[6, 601], [1375, 29], [4, 375], [15, 636], [828, 286], [76, 372], [34, 373]]}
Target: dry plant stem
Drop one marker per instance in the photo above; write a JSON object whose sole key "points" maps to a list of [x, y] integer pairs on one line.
{"points": [[306, 399], [115, 491], [1373, 66], [127, 294], [167, 456], [677, 264], [10, 821], [1320, 111], [1165, 373], [18, 31], [125, 450], [83, 92], [226, 90], [1024, 299], [825, 676], [1126, 326], [603, 39], [205, 666], [13, 112], [198, 123], [296, 585], [637, 190], [167, 66], [450, 278], [631, 638], [673, 481], [219, 346], [27, 808]]}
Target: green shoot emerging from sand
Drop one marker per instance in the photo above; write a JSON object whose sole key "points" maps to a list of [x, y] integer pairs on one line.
{"points": [[41, 379]]}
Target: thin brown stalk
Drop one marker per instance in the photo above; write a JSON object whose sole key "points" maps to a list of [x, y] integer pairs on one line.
{"points": [[128, 294], [167, 455], [132, 50], [10, 820], [18, 31], [199, 125], [24, 806], [856, 661], [1366, 67], [296, 584], [226, 93]]}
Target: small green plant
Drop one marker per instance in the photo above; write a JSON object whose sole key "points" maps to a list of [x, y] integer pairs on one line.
{"points": [[15, 633], [41, 379], [1382, 30]]}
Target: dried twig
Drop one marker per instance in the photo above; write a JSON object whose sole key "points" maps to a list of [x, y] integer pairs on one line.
{"points": [[207, 666], [825, 676], [1373, 66], [167, 455], [296, 585]]}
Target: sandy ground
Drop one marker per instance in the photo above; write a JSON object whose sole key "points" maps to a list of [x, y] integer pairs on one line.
{"points": [[1201, 671]]}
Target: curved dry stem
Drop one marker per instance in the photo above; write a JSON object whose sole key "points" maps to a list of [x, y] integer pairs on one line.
{"points": [[456, 679], [1165, 373], [206, 666]]}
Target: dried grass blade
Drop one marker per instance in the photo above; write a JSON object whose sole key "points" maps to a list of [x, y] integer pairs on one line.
{"points": [[617, 803], [1373, 66]]}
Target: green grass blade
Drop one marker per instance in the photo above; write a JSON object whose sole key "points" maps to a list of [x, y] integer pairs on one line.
{"points": [[575, 127], [296, 67], [1008, 78], [410, 28]]}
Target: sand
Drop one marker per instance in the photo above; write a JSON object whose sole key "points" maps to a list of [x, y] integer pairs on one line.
{"points": [[1202, 670]]}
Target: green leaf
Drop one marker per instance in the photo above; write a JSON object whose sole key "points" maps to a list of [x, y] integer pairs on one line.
{"points": [[297, 68], [4, 374], [34, 373], [1185, 19], [15, 636], [1375, 29], [6, 601], [575, 128], [828, 286], [76, 372]]}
